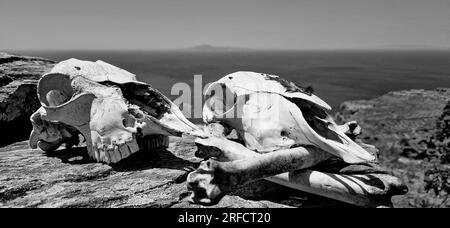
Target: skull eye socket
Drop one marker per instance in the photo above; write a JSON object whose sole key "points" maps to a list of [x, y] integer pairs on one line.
{"points": [[220, 99], [128, 122], [55, 89]]}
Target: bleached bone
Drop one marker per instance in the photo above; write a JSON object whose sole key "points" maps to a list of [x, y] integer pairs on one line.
{"points": [[234, 165], [275, 114], [49, 136], [116, 114], [292, 128], [364, 190], [246, 82]]}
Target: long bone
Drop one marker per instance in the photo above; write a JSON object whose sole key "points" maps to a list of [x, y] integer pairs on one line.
{"points": [[232, 165], [293, 129]]}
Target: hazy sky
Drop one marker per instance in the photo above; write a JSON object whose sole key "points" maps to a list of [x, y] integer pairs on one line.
{"points": [[276, 24]]}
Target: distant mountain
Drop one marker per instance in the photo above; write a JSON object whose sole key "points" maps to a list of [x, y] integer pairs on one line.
{"points": [[210, 48]]}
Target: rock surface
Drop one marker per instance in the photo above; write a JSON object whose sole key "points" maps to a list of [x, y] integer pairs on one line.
{"points": [[18, 100], [68, 178]]}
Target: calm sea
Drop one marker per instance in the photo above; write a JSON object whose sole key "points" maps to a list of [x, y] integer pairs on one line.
{"points": [[336, 76]]}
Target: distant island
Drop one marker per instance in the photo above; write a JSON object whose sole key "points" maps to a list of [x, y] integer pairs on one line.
{"points": [[211, 48], [412, 47]]}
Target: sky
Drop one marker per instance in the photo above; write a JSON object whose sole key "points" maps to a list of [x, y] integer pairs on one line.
{"points": [[258, 24]]}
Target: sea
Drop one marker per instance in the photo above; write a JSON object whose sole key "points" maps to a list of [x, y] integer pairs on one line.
{"points": [[336, 76]]}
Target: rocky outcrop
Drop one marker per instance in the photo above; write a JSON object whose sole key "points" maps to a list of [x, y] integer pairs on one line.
{"points": [[18, 100], [390, 119], [436, 146], [411, 130], [443, 125]]}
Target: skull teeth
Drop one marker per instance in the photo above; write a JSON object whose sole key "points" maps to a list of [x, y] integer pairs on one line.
{"points": [[114, 153], [154, 142]]}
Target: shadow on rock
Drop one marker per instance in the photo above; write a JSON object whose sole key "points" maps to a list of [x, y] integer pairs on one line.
{"points": [[74, 156], [160, 158], [141, 160]]}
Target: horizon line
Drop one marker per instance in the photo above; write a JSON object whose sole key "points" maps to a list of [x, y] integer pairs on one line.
{"points": [[236, 49]]}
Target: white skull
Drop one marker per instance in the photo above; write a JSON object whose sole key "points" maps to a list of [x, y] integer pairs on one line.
{"points": [[116, 114], [273, 114]]}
